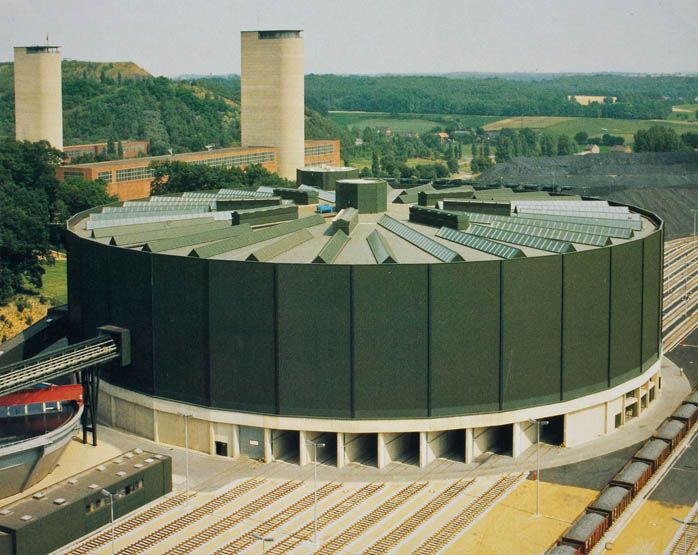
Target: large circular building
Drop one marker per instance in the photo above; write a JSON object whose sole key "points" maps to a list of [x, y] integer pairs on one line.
{"points": [[386, 330]]}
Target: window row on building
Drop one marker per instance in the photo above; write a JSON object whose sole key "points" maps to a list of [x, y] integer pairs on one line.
{"points": [[134, 174], [237, 159], [319, 149]]}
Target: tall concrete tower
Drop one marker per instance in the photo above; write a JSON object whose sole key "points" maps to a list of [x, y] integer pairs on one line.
{"points": [[272, 95], [38, 98]]}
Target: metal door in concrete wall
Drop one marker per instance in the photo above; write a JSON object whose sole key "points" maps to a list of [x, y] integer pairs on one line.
{"points": [[252, 442]]}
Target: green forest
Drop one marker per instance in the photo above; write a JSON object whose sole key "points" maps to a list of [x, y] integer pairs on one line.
{"points": [[638, 97], [101, 105]]}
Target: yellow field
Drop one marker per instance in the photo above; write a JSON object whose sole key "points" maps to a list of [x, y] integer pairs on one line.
{"points": [[585, 99], [512, 527], [533, 122], [650, 530]]}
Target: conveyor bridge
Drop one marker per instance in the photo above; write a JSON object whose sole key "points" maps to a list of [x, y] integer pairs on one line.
{"points": [[82, 359]]}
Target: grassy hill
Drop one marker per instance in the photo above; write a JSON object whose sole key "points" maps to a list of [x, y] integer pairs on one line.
{"points": [[121, 100], [94, 70]]}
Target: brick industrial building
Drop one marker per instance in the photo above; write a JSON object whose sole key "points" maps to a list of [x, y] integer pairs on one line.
{"points": [[130, 179]]}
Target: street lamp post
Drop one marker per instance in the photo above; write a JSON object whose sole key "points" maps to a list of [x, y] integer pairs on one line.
{"points": [[315, 445], [110, 495], [263, 540], [687, 524], [538, 424]]}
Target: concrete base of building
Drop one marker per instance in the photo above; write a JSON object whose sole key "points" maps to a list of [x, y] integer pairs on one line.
{"points": [[378, 442]]}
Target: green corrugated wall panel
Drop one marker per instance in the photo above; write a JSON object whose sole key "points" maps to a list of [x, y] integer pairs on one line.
{"points": [[436, 217], [180, 338], [346, 220], [130, 298], [409, 198], [486, 195], [429, 198], [489, 207], [332, 248], [585, 323], [626, 311], [380, 248], [369, 197], [144, 237], [246, 204], [464, 332], [234, 243], [162, 245], [281, 246], [390, 318], [531, 312], [314, 339], [75, 247], [143, 228], [94, 272], [652, 287], [242, 350]]}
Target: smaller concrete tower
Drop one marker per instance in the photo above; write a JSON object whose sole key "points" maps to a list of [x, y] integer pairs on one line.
{"points": [[38, 98], [272, 95]]}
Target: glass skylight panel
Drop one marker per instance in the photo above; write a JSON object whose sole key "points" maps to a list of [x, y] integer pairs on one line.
{"points": [[540, 243], [558, 234], [480, 243], [427, 244], [141, 219], [634, 224]]}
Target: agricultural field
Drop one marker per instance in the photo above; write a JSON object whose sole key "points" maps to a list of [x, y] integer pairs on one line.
{"points": [[684, 112], [405, 123], [595, 127]]}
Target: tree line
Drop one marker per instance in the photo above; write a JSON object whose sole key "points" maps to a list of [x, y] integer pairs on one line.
{"points": [[497, 96], [31, 199]]}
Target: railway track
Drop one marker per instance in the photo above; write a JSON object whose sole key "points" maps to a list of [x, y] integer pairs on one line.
{"points": [[123, 528], [171, 528], [371, 519], [195, 542], [686, 542], [277, 521], [680, 291], [442, 537], [325, 519], [405, 528]]}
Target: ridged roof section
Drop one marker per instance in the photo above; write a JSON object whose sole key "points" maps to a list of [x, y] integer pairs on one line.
{"points": [[428, 245], [480, 243]]}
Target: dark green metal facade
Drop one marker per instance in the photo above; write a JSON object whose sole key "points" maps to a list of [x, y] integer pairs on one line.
{"points": [[374, 341]]}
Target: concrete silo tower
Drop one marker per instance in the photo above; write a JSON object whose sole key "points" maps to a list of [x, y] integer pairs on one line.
{"points": [[38, 99], [272, 95]]}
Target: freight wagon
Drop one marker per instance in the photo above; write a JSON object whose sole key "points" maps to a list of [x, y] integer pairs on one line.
{"points": [[632, 476], [654, 452], [611, 502], [588, 530], [672, 431]]}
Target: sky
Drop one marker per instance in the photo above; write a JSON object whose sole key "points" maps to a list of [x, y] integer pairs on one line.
{"points": [[176, 37]]}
